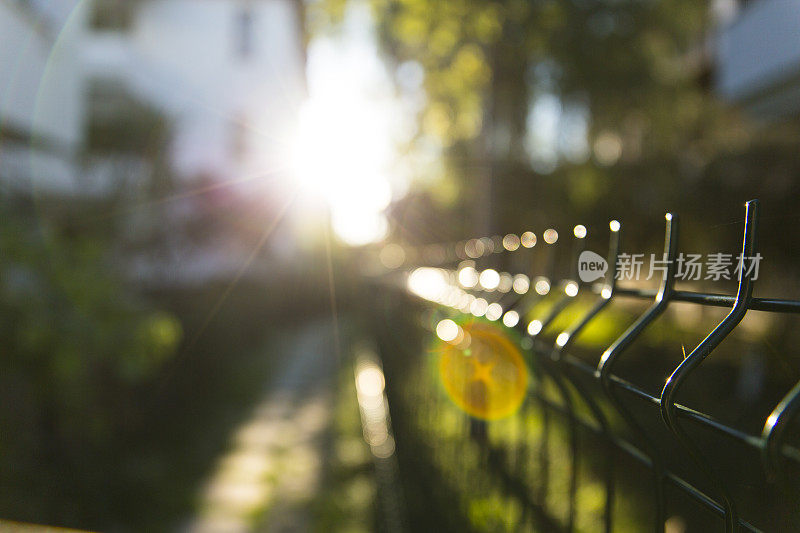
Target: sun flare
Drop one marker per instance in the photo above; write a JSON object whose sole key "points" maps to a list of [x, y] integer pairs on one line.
{"points": [[343, 148]]}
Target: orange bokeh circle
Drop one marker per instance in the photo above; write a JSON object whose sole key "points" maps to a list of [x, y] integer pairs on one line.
{"points": [[487, 378]]}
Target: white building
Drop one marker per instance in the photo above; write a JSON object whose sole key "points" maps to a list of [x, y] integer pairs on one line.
{"points": [[41, 93], [229, 74], [758, 56]]}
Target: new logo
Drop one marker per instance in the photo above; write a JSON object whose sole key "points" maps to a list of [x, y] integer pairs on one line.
{"points": [[591, 266]]}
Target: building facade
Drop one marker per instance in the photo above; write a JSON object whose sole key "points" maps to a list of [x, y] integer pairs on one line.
{"points": [[758, 56], [228, 74], [41, 94]]}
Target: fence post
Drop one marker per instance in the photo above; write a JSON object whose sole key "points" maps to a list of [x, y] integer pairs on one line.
{"points": [[565, 340], [611, 355], [669, 413]]}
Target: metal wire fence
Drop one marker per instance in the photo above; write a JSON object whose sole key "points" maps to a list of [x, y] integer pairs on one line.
{"points": [[585, 411]]}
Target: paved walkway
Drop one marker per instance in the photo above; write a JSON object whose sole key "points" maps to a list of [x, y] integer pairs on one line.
{"points": [[273, 467]]}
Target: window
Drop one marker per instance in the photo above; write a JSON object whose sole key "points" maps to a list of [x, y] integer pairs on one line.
{"points": [[112, 15], [244, 33]]}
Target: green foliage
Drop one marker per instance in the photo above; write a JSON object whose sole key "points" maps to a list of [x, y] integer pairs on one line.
{"points": [[76, 347], [122, 123], [627, 59]]}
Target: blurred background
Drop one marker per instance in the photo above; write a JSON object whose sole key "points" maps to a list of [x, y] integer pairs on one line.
{"points": [[207, 210]]}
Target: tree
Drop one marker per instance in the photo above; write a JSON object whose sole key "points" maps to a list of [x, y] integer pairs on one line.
{"points": [[633, 75]]}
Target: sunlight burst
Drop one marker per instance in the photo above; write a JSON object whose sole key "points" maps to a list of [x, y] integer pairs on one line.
{"points": [[343, 150]]}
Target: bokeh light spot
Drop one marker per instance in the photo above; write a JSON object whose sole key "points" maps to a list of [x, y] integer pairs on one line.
{"points": [[511, 242], [490, 383], [528, 239], [447, 330]]}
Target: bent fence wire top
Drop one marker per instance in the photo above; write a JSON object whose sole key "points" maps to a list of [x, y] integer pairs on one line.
{"points": [[508, 298]]}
